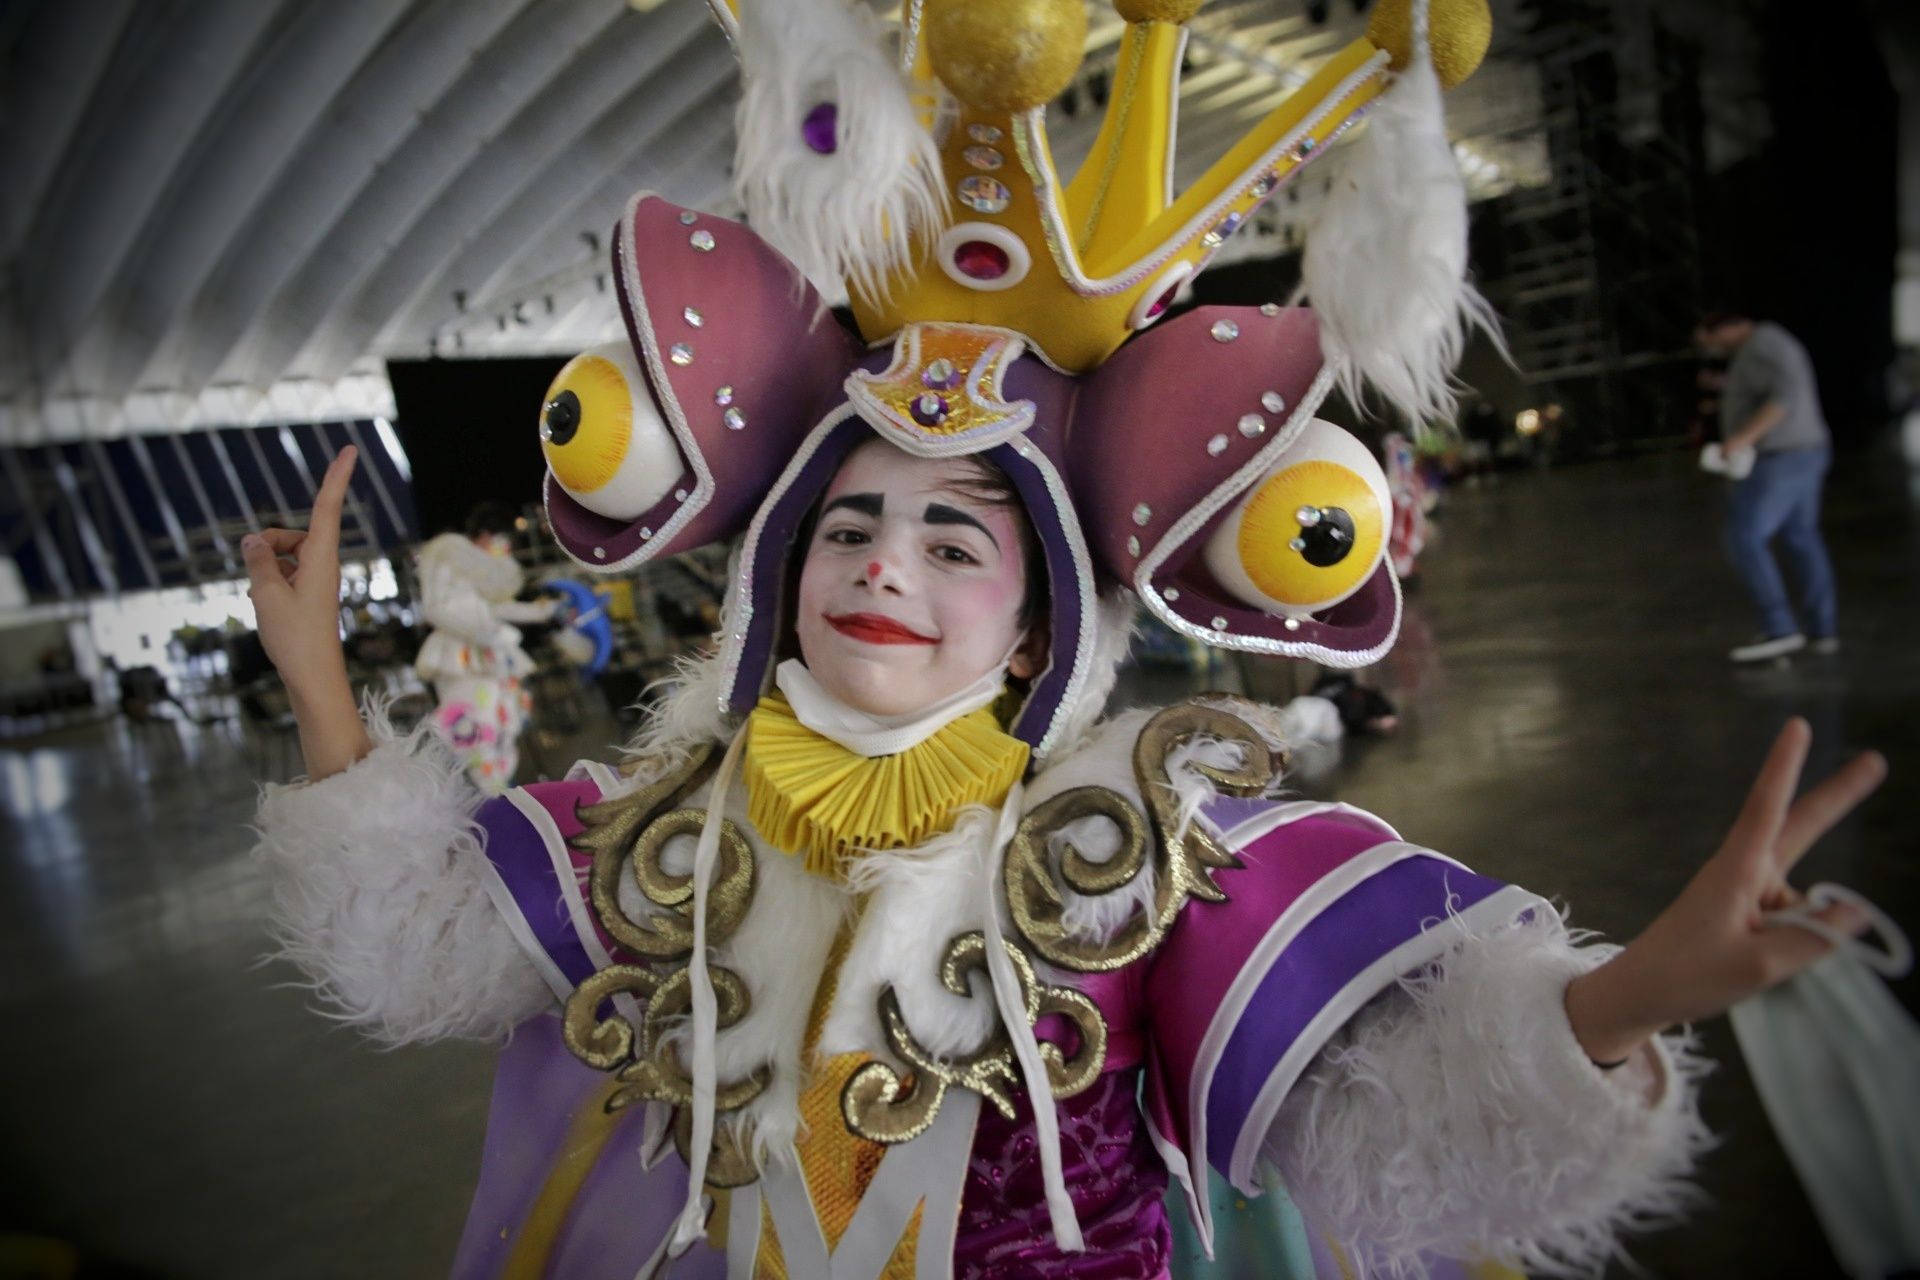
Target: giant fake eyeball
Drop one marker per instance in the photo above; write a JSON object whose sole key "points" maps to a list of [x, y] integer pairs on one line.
{"points": [[603, 435], [1311, 533]]}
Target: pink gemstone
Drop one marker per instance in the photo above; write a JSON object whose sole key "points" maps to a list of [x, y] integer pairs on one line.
{"points": [[1162, 302], [981, 260]]}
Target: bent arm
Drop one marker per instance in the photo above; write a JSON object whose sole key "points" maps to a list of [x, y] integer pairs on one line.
{"points": [[380, 896], [1456, 1114]]}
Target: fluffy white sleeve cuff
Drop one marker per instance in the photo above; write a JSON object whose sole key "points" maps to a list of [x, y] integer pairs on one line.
{"points": [[1458, 1115], [379, 896]]}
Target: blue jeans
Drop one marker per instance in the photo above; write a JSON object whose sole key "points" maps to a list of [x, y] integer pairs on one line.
{"points": [[1781, 498]]}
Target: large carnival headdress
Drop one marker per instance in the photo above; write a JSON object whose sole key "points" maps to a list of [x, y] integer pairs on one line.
{"points": [[1002, 311]]}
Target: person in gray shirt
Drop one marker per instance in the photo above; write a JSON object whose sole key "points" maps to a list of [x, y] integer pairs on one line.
{"points": [[1771, 406]]}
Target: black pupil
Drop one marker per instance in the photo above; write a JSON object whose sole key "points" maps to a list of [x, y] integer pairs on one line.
{"points": [[1330, 541], [563, 417]]}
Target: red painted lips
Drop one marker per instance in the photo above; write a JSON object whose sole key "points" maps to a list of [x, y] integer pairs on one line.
{"points": [[874, 628]]}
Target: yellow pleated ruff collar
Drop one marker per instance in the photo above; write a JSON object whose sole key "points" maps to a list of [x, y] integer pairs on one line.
{"points": [[811, 797]]}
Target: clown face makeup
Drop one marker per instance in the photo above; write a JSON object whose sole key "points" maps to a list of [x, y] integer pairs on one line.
{"points": [[912, 585]]}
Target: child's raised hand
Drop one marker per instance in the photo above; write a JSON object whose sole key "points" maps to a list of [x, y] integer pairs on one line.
{"points": [[294, 582], [1710, 949]]}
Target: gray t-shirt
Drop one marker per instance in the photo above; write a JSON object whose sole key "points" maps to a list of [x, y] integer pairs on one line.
{"points": [[1772, 365]]}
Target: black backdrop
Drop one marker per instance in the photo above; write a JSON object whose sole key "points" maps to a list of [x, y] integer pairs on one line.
{"points": [[470, 428]]}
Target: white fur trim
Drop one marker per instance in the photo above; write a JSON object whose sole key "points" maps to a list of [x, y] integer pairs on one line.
{"points": [[849, 216], [380, 897], [1457, 1114], [920, 900], [1386, 262]]}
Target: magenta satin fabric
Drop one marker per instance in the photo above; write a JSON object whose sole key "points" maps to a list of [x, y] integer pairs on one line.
{"points": [[1117, 1183]]}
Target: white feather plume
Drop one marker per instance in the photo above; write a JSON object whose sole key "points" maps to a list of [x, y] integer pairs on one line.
{"points": [[1385, 267], [848, 217]]}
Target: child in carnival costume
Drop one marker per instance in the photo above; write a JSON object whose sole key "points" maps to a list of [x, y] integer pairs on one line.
{"points": [[472, 657], [882, 954]]}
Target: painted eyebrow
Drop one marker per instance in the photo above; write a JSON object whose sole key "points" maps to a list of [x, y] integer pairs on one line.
{"points": [[940, 513], [866, 504]]}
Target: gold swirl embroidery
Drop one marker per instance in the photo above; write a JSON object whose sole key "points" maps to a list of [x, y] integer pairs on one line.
{"points": [[644, 1061], [882, 1105], [1183, 860]]}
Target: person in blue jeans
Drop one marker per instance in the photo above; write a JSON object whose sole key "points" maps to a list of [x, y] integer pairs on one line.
{"points": [[1770, 407]]}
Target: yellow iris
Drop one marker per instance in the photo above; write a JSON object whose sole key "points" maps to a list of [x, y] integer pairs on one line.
{"points": [[1271, 523], [592, 454]]}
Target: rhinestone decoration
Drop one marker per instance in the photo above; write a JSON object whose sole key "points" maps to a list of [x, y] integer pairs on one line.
{"points": [[734, 419], [1291, 624], [940, 375], [599, 553], [1298, 544], [821, 129], [645, 533], [984, 157], [1172, 594], [1133, 545], [679, 495], [981, 260], [1252, 425], [724, 395], [1302, 149], [1308, 517], [1219, 623], [702, 240], [983, 194], [1225, 331], [680, 353], [1161, 303], [1217, 446], [1217, 234], [983, 133], [929, 409], [1264, 188], [688, 217], [693, 317], [1269, 308], [1142, 513], [1273, 401]]}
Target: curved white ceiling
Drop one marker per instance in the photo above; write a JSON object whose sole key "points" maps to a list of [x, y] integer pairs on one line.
{"points": [[213, 201]]}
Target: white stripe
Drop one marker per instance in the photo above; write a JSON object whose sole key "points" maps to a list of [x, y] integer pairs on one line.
{"points": [[1276, 816], [802, 1243], [1493, 911], [563, 871], [1300, 913], [517, 925], [1199, 1210], [743, 1231]]}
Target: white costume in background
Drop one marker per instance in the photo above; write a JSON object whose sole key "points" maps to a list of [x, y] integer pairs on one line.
{"points": [[473, 658]]}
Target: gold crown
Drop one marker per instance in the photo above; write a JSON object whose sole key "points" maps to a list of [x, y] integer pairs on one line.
{"points": [[1078, 266]]}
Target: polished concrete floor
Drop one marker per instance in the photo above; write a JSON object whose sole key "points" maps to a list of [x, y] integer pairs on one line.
{"points": [[169, 1104]]}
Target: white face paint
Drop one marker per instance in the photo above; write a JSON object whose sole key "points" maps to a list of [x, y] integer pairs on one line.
{"points": [[911, 588]]}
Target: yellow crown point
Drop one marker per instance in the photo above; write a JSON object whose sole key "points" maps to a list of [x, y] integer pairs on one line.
{"points": [[1005, 55], [1174, 11], [1458, 32]]}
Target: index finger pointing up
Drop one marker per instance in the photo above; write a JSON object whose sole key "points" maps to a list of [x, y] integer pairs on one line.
{"points": [[323, 530]]}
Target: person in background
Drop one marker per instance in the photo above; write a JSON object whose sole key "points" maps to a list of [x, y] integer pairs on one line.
{"points": [[473, 657], [1770, 406]]}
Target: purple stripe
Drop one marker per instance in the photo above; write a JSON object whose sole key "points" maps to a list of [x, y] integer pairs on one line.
{"points": [[520, 856], [1379, 914], [622, 1211], [1228, 812]]}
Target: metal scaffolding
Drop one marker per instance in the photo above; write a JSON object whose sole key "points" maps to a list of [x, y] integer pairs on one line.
{"points": [[1599, 274]]}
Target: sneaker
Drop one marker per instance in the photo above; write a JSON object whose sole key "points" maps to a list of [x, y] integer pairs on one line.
{"points": [[1768, 649], [1825, 646]]}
